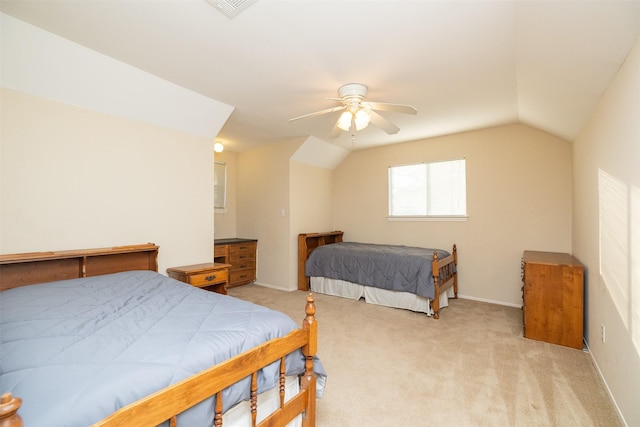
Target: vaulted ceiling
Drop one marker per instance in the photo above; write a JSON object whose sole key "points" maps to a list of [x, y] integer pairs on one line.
{"points": [[463, 65]]}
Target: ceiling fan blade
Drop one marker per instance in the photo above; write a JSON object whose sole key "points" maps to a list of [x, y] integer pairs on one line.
{"points": [[384, 124], [335, 132], [399, 108], [317, 113]]}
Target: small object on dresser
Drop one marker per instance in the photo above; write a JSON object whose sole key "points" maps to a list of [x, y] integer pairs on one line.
{"points": [[210, 275]]}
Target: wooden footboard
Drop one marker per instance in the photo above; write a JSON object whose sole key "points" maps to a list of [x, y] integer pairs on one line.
{"points": [[445, 275], [167, 403]]}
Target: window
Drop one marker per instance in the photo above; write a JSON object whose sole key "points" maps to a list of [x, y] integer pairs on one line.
{"points": [[428, 190], [219, 186]]}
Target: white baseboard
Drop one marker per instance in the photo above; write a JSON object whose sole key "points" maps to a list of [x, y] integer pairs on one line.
{"points": [[490, 301], [624, 422], [277, 288]]}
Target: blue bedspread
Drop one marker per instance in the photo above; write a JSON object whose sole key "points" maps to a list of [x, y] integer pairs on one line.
{"points": [[391, 267], [77, 350]]}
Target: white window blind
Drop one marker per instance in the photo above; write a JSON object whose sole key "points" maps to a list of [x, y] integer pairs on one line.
{"points": [[435, 189], [219, 186]]}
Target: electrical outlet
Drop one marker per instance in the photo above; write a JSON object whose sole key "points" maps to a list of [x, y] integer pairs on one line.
{"points": [[603, 333]]}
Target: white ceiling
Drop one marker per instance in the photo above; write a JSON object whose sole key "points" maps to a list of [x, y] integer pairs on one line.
{"points": [[463, 64]]}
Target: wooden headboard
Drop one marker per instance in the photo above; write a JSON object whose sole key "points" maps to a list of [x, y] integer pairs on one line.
{"points": [[307, 242], [40, 267]]}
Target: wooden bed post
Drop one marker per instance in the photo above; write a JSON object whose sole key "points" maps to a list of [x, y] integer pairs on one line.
{"points": [[9, 406], [455, 273], [445, 275], [435, 271], [308, 380]]}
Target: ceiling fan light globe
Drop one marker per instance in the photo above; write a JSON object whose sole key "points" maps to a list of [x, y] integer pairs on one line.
{"points": [[362, 119], [344, 122]]}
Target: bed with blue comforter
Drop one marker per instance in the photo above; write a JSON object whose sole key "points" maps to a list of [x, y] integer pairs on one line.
{"points": [[77, 350]]}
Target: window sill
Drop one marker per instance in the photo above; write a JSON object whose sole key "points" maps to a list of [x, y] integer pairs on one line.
{"points": [[443, 218]]}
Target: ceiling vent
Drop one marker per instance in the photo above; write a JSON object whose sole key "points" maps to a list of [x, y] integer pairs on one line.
{"points": [[231, 8]]}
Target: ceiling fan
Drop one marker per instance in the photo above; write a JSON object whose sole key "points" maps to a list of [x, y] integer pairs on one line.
{"points": [[358, 113]]}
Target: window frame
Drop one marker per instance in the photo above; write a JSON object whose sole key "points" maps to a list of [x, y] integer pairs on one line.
{"points": [[427, 217], [219, 200]]}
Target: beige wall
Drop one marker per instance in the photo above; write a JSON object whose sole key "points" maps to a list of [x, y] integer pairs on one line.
{"points": [[263, 208], [225, 222], [518, 198], [73, 178], [606, 236], [269, 184], [311, 208]]}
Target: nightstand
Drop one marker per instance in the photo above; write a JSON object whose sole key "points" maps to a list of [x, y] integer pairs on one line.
{"points": [[213, 276]]}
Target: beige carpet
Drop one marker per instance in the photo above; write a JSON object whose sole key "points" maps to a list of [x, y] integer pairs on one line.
{"points": [[472, 367]]}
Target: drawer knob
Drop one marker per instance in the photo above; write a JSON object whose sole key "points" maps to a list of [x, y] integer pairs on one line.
{"points": [[209, 278]]}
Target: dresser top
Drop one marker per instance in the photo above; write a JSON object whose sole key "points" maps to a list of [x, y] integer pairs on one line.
{"points": [[554, 258], [232, 240]]}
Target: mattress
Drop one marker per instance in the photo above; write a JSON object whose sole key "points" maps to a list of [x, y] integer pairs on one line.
{"points": [[77, 350], [378, 296]]}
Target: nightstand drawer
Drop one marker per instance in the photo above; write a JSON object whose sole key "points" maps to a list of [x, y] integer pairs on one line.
{"points": [[209, 278]]}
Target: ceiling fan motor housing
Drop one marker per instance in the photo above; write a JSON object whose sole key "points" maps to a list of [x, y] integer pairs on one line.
{"points": [[353, 90], [352, 95]]}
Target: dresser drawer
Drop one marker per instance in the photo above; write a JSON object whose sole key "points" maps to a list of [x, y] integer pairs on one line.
{"points": [[243, 264], [242, 258], [209, 278], [241, 249], [242, 276], [221, 251]]}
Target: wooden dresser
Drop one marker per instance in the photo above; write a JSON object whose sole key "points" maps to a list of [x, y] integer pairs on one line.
{"points": [[241, 254], [553, 298]]}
